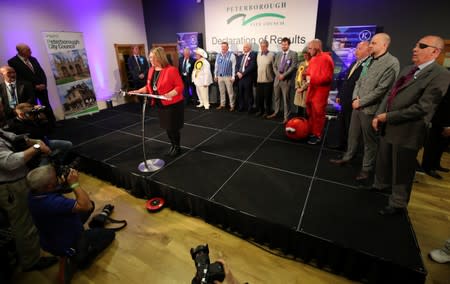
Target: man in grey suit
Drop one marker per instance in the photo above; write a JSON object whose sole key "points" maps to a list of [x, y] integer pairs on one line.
{"points": [[285, 68], [403, 120], [377, 76]]}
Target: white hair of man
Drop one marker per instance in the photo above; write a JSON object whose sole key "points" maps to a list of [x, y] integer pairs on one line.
{"points": [[39, 178]]}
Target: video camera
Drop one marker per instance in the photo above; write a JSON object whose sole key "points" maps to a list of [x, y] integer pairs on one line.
{"points": [[206, 273]]}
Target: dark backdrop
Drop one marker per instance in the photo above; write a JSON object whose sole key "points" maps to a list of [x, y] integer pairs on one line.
{"points": [[405, 20]]}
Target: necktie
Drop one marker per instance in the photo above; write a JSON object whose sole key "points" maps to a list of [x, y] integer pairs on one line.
{"points": [[244, 61], [137, 62], [184, 66], [13, 101], [28, 63], [365, 66], [282, 64], [355, 66], [402, 81]]}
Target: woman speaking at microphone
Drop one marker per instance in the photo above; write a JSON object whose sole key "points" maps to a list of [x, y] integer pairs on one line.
{"points": [[164, 80]]}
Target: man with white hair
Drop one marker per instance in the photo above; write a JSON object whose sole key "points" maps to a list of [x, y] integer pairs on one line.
{"points": [[246, 73]]}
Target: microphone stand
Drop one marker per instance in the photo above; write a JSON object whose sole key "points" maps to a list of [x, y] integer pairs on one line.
{"points": [[148, 165]]}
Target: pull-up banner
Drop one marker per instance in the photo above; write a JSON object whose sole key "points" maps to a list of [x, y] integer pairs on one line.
{"points": [[240, 21], [70, 68]]}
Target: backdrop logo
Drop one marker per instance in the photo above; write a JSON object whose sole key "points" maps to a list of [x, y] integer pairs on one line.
{"points": [[254, 18], [365, 35]]}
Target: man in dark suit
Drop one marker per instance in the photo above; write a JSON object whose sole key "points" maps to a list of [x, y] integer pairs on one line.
{"points": [[403, 119], [28, 69], [344, 97], [246, 73], [285, 68], [185, 66], [13, 92], [138, 68], [438, 138]]}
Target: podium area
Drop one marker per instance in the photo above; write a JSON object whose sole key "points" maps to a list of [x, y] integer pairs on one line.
{"points": [[242, 173]]}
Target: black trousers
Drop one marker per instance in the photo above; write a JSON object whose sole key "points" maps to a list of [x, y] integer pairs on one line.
{"points": [[245, 95], [264, 92], [434, 147], [174, 136]]}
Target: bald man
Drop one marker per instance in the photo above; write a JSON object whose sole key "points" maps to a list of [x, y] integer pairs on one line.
{"points": [[376, 79], [403, 119], [13, 92], [246, 73], [344, 97], [319, 77], [28, 69]]}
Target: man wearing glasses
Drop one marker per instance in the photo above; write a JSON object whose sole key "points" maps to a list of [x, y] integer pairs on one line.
{"points": [[403, 119]]}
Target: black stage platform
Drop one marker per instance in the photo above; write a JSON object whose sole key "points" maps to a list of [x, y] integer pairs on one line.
{"points": [[242, 173]]}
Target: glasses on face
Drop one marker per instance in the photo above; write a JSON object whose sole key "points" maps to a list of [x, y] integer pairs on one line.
{"points": [[422, 45]]}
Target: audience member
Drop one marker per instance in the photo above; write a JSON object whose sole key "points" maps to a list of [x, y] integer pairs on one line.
{"points": [[437, 140], [13, 92], [14, 198], [373, 86], [224, 72], [345, 95], [28, 69], [403, 119], [319, 77], [138, 68], [202, 77], [301, 85], [264, 80], [186, 66], [60, 220], [165, 80], [284, 67], [246, 73]]}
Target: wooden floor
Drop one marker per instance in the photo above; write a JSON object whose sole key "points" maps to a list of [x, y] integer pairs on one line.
{"points": [[154, 248]]}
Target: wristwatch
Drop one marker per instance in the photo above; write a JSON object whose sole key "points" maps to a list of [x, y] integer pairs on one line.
{"points": [[37, 147]]}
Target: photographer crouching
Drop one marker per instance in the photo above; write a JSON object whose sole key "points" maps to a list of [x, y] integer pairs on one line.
{"points": [[32, 121], [60, 220]]}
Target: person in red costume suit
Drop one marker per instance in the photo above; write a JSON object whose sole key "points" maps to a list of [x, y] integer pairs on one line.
{"points": [[319, 77], [164, 79]]}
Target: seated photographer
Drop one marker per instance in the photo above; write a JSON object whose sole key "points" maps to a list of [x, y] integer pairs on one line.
{"points": [[31, 120], [60, 220], [14, 197]]}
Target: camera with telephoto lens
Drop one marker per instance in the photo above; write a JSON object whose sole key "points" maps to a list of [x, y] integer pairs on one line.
{"points": [[35, 111], [206, 272], [99, 220]]}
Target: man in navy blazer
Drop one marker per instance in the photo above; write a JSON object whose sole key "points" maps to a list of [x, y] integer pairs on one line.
{"points": [[28, 69], [246, 73], [185, 66], [403, 120], [138, 68], [23, 91]]}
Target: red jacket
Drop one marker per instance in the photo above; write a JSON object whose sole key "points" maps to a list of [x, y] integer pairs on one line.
{"points": [[320, 70], [169, 79]]}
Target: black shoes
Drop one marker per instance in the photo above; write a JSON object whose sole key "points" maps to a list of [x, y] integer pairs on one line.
{"points": [[433, 173], [338, 162], [442, 169], [174, 151], [363, 175], [43, 263], [390, 211]]}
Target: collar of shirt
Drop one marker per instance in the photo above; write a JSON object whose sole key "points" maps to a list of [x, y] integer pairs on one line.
{"points": [[264, 53], [423, 65], [23, 58], [376, 58]]}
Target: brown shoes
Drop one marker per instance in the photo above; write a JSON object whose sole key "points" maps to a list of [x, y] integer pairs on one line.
{"points": [[338, 162], [363, 175], [232, 109], [273, 115], [220, 107]]}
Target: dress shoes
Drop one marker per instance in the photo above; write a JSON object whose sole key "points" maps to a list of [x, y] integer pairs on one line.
{"points": [[273, 115], [433, 173], [338, 162], [442, 169], [200, 105], [363, 175], [232, 109], [169, 153], [258, 114], [390, 211], [175, 152], [220, 107], [43, 263]]}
